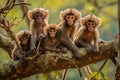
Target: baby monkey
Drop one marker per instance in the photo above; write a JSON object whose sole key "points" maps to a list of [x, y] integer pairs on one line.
{"points": [[88, 34], [24, 39], [52, 41]]}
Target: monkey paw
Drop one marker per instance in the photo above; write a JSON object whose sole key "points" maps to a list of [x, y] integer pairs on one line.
{"points": [[95, 49], [77, 55], [89, 49], [64, 50], [41, 36], [57, 50], [33, 47]]}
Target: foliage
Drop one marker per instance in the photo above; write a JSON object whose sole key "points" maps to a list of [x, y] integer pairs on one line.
{"points": [[98, 76]]}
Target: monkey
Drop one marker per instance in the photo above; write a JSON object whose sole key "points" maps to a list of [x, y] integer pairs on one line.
{"points": [[52, 41], [24, 38], [88, 34], [70, 19], [39, 19], [69, 24]]}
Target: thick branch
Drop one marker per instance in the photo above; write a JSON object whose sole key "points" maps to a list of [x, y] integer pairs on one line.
{"points": [[53, 62], [6, 44]]}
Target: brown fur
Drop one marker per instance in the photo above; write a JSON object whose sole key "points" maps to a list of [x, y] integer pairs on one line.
{"points": [[68, 31], [86, 38], [51, 43], [16, 55], [39, 18]]}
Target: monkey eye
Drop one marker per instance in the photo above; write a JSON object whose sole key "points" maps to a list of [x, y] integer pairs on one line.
{"points": [[88, 23], [37, 15], [67, 17], [73, 17], [43, 17], [55, 31], [24, 38], [50, 31], [93, 24]]}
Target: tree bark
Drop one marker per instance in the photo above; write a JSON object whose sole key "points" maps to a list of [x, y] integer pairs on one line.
{"points": [[52, 62]]}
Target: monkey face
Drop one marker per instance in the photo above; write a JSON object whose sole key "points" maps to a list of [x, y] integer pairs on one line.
{"points": [[38, 17], [70, 19], [24, 40], [52, 33], [90, 25]]}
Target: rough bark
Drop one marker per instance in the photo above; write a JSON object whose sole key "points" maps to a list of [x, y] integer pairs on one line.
{"points": [[6, 44], [52, 62]]}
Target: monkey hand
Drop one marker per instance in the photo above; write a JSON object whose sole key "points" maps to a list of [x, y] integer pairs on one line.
{"points": [[57, 50], [95, 49], [37, 54], [89, 49], [77, 56], [33, 47], [23, 54], [41, 36], [64, 50]]}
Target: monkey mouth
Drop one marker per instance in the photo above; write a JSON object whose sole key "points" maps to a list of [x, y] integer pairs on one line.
{"points": [[39, 22], [90, 29], [70, 24]]}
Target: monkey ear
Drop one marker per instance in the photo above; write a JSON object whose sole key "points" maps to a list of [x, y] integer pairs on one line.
{"points": [[78, 15], [30, 14], [18, 37], [46, 30], [46, 12], [82, 22], [58, 28], [98, 22], [62, 15]]}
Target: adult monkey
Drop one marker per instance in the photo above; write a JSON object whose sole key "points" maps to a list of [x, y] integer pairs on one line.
{"points": [[69, 24]]}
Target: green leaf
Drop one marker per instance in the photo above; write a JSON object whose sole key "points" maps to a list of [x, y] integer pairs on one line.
{"points": [[98, 76]]}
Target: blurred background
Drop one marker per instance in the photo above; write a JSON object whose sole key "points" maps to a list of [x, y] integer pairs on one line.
{"points": [[105, 9]]}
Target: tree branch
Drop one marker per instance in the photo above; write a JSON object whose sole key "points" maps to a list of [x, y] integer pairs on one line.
{"points": [[52, 62], [6, 44], [25, 11]]}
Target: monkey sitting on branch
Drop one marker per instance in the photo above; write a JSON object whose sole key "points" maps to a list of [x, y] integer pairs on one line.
{"points": [[51, 41], [88, 34], [70, 19], [24, 39], [39, 19]]}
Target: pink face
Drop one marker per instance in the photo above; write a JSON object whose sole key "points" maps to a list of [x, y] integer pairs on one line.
{"points": [[24, 40], [90, 25], [70, 19], [52, 33]]}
